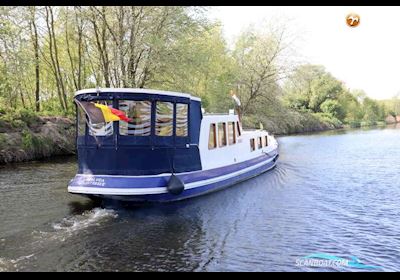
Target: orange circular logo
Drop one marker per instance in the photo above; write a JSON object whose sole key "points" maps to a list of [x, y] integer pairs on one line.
{"points": [[353, 20]]}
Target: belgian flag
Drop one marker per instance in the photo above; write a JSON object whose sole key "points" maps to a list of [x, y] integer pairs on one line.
{"points": [[99, 113]]}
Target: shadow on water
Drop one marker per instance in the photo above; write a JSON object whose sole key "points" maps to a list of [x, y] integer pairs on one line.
{"points": [[54, 160], [78, 207]]}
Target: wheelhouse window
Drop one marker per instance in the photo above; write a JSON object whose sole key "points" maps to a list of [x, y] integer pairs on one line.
{"points": [[259, 140], [252, 144], [266, 140], [164, 118], [212, 138], [140, 113], [231, 133], [81, 117], [102, 129], [222, 134], [181, 120]]}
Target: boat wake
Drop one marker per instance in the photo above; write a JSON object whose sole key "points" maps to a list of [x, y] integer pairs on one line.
{"points": [[8, 265], [281, 173], [88, 218], [40, 241], [74, 224]]}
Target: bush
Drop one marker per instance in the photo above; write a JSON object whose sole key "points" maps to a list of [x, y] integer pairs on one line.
{"points": [[354, 124], [30, 141], [368, 123], [28, 116], [27, 140], [40, 146], [9, 121], [21, 118], [329, 119], [333, 108], [18, 124]]}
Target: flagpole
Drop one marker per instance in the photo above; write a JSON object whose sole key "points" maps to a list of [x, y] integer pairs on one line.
{"points": [[238, 106], [88, 123]]}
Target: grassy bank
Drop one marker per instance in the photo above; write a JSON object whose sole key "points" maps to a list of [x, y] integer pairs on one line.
{"points": [[292, 122], [25, 136]]}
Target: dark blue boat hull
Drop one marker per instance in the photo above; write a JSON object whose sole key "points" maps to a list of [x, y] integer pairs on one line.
{"points": [[153, 188]]}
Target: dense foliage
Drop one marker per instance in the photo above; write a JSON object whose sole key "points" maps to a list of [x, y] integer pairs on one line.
{"points": [[47, 53], [312, 89]]}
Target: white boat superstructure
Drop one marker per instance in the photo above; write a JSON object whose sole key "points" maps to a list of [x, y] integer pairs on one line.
{"points": [[224, 142]]}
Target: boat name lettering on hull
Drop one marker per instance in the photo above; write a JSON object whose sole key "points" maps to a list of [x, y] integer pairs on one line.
{"points": [[95, 181]]}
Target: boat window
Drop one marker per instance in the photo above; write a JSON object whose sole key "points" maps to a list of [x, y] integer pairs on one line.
{"points": [[212, 138], [140, 113], [252, 144], [231, 133], [259, 142], [238, 128], [81, 116], [222, 134], [182, 119], [266, 141], [102, 129], [164, 118]]}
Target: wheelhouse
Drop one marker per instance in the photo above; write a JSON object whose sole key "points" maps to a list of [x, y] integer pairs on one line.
{"points": [[163, 136]]}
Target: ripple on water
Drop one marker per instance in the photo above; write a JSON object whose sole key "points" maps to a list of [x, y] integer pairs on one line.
{"points": [[333, 194]]}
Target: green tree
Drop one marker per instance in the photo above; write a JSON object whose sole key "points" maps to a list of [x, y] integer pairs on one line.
{"points": [[309, 87], [372, 111], [333, 108], [259, 55]]}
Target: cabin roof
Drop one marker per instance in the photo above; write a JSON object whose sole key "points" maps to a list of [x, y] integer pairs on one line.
{"points": [[219, 117], [138, 90]]}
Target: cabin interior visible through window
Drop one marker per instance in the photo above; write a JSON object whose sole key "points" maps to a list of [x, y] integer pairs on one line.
{"points": [[252, 144], [181, 120], [222, 134], [231, 133], [212, 138], [140, 113], [259, 140], [164, 118]]}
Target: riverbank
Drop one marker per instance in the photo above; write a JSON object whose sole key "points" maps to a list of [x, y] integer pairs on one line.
{"points": [[292, 122], [28, 137]]}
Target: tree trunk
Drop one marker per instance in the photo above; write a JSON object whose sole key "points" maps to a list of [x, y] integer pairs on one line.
{"points": [[60, 78], [53, 63], [37, 65]]}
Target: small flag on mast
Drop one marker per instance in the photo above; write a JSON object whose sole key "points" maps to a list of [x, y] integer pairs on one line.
{"points": [[235, 98]]}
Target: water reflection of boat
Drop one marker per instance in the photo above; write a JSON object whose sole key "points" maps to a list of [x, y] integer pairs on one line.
{"points": [[169, 150]]}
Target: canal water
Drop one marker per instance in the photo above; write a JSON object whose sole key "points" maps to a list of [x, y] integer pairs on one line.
{"points": [[335, 193]]}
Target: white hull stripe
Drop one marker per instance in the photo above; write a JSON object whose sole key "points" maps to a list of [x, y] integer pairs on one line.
{"points": [[145, 191]]}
